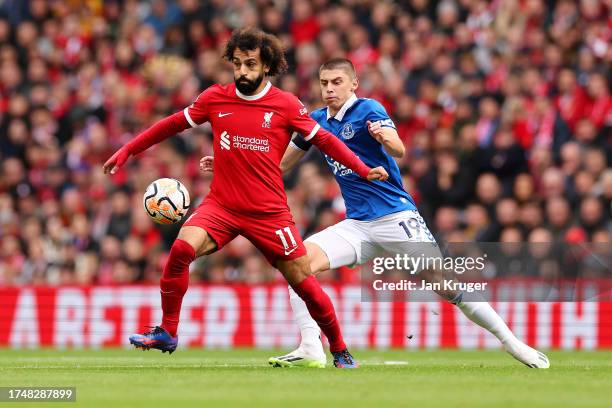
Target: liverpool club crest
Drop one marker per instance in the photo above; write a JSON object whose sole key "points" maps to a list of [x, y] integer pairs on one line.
{"points": [[267, 120]]}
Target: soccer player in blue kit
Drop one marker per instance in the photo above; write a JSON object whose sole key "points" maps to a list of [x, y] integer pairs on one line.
{"points": [[380, 216]]}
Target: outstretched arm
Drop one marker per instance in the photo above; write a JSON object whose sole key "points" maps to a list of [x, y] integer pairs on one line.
{"points": [[160, 131], [191, 116], [330, 145]]}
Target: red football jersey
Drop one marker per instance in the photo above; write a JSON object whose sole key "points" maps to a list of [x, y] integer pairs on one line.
{"points": [[250, 136]]}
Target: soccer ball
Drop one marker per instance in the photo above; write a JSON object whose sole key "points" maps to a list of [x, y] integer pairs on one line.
{"points": [[166, 201]]}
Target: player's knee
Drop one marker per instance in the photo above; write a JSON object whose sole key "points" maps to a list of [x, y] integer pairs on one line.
{"points": [[182, 247], [300, 275], [317, 258], [198, 238], [295, 270]]}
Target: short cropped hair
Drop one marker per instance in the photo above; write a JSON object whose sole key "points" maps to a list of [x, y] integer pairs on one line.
{"points": [[270, 48], [339, 63]]}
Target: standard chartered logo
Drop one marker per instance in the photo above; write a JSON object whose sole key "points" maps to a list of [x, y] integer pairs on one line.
{"points": [[244, 142], [225, 141]]}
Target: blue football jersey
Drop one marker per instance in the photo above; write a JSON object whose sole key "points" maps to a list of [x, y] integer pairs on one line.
{"points": [[364, 200]]}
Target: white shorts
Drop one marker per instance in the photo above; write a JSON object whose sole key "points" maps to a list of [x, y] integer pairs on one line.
{"points": [[353, 242]]}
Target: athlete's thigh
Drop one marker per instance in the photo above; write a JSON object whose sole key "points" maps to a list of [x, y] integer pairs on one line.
{"points": [[404, 232], [343, 244], [209, 228], [276, 236]]}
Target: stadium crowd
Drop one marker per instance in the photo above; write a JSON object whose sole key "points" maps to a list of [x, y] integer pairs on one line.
{"points": [[504, 108]]}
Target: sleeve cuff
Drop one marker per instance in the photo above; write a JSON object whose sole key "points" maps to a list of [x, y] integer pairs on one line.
{"points": [[363, 171]]}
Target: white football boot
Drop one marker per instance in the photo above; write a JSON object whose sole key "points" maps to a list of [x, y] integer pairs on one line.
{"points": [[527, 355], [310, 357]]}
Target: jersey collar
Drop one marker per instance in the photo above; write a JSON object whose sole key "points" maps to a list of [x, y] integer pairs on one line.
{"points": [[256, 96], [340, 115]]}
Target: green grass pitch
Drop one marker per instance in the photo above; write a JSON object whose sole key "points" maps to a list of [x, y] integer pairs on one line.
{"points": [[197, 378]]}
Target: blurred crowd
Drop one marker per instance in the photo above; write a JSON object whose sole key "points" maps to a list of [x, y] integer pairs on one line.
{"points": [[504, 108]]}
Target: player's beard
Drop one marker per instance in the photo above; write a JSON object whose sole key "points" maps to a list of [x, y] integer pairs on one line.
{"points": [[246, 86]]}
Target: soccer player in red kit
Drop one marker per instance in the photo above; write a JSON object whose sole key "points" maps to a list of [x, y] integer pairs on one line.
{"points": [[252, 124]]}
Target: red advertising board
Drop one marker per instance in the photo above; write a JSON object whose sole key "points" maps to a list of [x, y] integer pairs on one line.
{"points": [[259, 316]]}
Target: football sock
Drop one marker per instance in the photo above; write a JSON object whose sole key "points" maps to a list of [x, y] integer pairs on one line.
{"points": [[322, 311], [174, 282], [309, 330], [483, 315]]}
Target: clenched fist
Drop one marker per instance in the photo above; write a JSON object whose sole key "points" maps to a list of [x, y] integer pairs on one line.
{"points": [[378, 173], [376, 130]]}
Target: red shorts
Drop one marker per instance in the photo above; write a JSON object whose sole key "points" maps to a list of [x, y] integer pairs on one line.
{"points": [[274, 235]]}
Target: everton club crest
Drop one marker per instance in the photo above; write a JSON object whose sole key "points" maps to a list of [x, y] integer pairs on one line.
{"points": [[347, 131]]}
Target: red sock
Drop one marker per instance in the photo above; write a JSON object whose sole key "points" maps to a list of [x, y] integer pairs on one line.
{"points": [[174, 282], [322, 311]]}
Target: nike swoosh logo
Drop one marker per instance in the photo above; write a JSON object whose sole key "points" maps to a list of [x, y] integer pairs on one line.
{"points": [[164, 292], [289, 252], [224, 114]]}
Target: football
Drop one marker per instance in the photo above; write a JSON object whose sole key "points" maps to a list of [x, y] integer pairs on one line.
{"points": [[166, 201]]}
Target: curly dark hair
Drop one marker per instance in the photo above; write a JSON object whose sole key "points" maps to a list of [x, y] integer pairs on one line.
{"points": [[270, 47]]}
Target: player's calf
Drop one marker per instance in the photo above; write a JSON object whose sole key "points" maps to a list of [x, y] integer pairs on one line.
{"points": [[486, 317], [174, 283], [481, 313], [322, 311], [319, 306]]}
